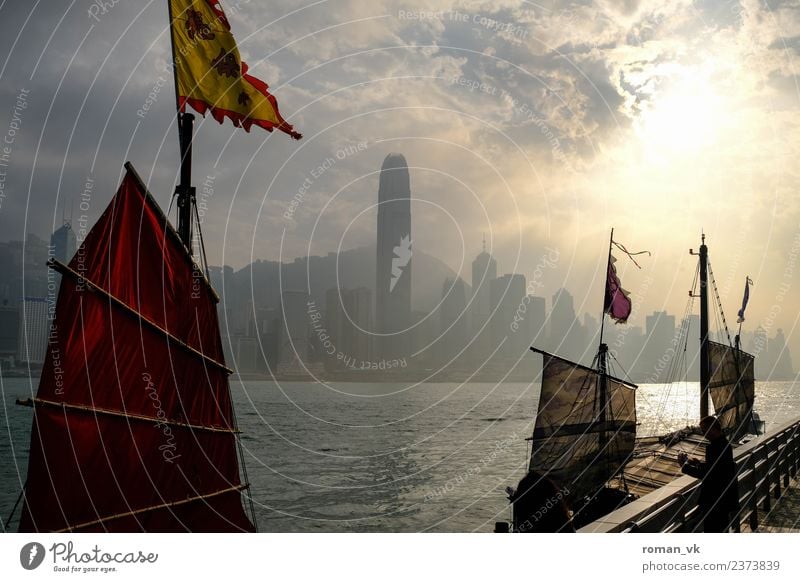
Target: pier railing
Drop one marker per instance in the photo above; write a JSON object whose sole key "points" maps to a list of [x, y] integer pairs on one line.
{"points": [[765, 466]]}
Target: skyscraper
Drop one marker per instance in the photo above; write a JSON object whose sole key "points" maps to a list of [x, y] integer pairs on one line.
{"points": [[393, 272], [348, 320], [484, 271], [64, 243], [782, 370], [9, 332], [34, 327], [508, 294], [660, 330], [566, 333], [293, 351], [453, 322]]}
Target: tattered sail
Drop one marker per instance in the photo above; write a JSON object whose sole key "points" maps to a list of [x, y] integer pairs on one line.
{"points": [[574, 443], [732, 387], [134, 427]]}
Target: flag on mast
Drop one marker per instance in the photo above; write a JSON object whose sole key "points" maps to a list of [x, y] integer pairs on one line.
{"points": [[748, 281], [210, 74], [617, 300]]}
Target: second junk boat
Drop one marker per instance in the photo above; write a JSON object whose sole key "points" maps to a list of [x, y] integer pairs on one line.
{"points": [[584, 441]]}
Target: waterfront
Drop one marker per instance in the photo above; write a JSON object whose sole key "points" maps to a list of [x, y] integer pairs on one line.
{"points": [[386, 457]]}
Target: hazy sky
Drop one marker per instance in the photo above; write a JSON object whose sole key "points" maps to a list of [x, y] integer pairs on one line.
{"points": [[541, 124]]}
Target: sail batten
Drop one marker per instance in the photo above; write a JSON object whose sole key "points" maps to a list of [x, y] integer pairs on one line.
{"points": [[166, 505], [583, 428], [133, 424], [77, 278], [579, 366], [32, 402]]}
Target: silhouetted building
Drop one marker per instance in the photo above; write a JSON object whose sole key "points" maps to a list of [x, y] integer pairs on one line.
{"points": [[691, 325], [63, 243], [484, 271], [348, 322], [248, 355], [424, 334], [294, 345], [393, 272], [660, 329], [34, 328], [783, 359], [537, 316], [591, 329], [453, 326], [566, 333], [358, 334], [9, 334], [508, 321]]}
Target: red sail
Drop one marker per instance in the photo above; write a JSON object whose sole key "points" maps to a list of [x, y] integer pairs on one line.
{"points": [[134, 427]]}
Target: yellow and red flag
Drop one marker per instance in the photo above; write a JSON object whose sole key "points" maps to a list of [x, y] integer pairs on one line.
{"points": [[210, 74]]}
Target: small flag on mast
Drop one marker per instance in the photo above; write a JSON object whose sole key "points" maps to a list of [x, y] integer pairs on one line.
{"points": [[748, 281], [210, 74], [617, 300]]}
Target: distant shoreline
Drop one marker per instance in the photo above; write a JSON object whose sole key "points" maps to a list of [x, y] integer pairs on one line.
{"points": [[380, 378]]}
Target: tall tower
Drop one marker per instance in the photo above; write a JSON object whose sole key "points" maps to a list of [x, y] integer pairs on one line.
{"points": [[484, 271], [393, 273], [64, 243]]}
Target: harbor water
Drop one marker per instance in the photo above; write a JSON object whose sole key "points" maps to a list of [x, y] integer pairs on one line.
{"points": [[385, 457]]}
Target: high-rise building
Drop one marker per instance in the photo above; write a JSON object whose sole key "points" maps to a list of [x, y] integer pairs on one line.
{"points": [[508, 321], [348, 322], [9, 333], [691, 331], [64, 243], [565, 331], [781, 358], [453, 325], [484, 271], [424, 334], [34, 327], [358, 334], [536, 317], [294, 346], [660, 331], [393, 272]]}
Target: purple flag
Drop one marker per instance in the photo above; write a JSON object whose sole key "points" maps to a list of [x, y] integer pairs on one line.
{"points": [[745, 299], [617, 300]]}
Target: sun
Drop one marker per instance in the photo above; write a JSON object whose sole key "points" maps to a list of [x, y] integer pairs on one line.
{"points": [[684, 116]]}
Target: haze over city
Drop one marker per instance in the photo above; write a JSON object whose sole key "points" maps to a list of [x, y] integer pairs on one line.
{"points": [[538, 126]]}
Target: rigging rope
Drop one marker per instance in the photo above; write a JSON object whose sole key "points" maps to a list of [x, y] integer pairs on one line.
{"points": [[14, 509], [719, 303]]}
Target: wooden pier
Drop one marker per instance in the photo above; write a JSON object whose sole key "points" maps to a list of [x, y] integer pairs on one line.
{"points": [[769, 492]]}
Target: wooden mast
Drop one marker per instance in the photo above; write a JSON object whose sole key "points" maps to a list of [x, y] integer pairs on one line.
{"points": [[184, 190], [705, 372], [602, 354], [705, 362]]}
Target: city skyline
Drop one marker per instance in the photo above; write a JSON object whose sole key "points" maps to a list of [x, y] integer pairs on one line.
{"points": [[541, 135], [542, 139], [486, 311]]}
